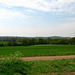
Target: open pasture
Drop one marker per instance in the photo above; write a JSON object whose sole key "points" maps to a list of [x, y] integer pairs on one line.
{"points": [[38, 50]]}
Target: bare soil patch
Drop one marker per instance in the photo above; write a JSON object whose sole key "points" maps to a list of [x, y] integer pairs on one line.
{"points": [[47, 57], [64, 73]]}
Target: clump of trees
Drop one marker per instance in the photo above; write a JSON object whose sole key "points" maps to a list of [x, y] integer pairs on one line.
{"points": [[35, 41]]}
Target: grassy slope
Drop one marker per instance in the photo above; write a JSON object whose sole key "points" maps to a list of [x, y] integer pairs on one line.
{"points": [[39, 50]]}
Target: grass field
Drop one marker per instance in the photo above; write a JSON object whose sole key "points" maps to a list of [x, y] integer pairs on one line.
{"points": [[13, 66], [54, 66], [39, 50]]}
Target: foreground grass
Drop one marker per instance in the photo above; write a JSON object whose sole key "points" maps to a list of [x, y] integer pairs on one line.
{"points": [[15, 66], [54, 66], [39, 50]]}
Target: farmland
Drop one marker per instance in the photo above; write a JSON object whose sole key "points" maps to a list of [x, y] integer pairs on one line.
{"points": [[38, 50], [14, 66]]}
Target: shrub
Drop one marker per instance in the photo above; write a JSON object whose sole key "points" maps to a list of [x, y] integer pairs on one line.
{"points": [[12, 65]]}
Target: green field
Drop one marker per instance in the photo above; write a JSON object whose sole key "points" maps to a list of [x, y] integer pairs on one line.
{"points": [[54, 66], [13, 66], [38, 50]]}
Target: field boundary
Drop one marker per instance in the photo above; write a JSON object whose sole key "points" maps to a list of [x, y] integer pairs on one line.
{"points": [[47, 57]]}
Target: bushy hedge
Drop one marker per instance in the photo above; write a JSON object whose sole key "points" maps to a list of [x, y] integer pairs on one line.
{"points": [[13, 65]]}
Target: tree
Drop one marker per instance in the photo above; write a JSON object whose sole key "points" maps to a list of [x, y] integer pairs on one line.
{"points": [[72, 41], [13, 42], [40, 41], [33, 41], [49, 40], [62, 41], [25, 41], [55, 41]]}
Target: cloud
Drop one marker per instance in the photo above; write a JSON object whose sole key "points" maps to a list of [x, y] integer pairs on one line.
{"points": [[33, 4], [44, 5], [4, 14], [30, 11], [57, 6]]}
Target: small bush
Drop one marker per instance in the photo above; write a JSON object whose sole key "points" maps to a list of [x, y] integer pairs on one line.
{"points": [[14, 66]]}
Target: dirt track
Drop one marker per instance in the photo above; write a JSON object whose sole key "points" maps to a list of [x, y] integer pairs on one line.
{"points": [[47, 57]]}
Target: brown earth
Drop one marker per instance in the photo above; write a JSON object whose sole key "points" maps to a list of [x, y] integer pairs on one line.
{"points": [[47, 57], [63, 73]]}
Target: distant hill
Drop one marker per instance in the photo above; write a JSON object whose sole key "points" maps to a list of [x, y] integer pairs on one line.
{"points": [[9, 37], [59, 37], [52, 37]]}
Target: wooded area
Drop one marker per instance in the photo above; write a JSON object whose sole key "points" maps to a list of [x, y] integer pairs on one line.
{"points": [[18, 41]]}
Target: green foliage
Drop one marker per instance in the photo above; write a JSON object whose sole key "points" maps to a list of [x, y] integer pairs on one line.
{"points": [[5, 43], [62, 41], [16, 66], [54, 66], [15, 41], [24, 42], [33, 41], [72, 41], [13, 65], [41, 41], [38, 50]]}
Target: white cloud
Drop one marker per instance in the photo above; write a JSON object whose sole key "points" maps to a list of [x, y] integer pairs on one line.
{"points": [[4, 14], [62, 6], [31, 11], [34, 4], [44, 5], [66, 29]]}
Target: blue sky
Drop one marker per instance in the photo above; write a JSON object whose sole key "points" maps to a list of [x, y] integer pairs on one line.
{"points": [[37, 18]]}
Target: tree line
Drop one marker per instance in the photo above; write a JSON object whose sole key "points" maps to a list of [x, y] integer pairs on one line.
{"points": [[36, 41]]}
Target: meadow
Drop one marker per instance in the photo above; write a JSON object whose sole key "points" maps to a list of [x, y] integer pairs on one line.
{"points": [[38, 50]]}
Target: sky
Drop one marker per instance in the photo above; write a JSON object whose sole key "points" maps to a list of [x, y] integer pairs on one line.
{"points": [[34, 18]]}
